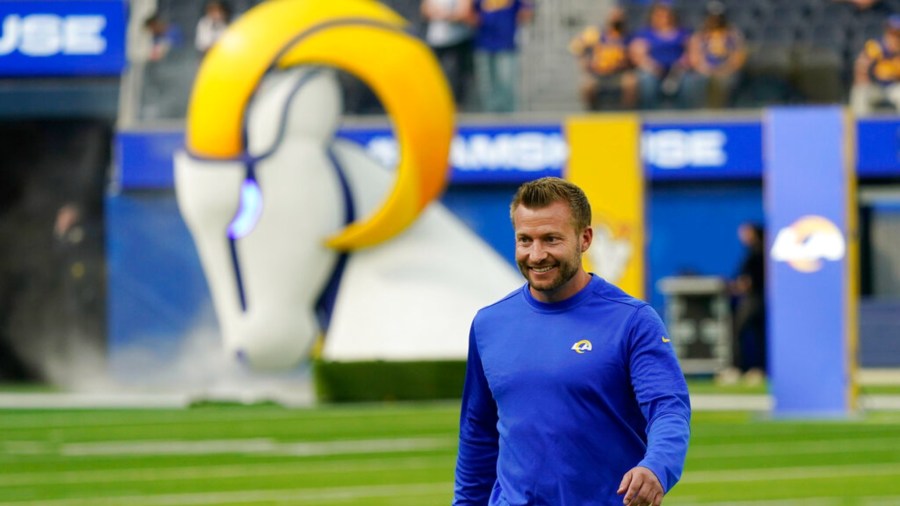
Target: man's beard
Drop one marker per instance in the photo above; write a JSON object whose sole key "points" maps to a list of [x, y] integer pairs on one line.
{"points": [[566, 270]]}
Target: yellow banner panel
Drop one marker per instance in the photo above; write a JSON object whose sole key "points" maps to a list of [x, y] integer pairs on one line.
{"points": [[604, 160]]}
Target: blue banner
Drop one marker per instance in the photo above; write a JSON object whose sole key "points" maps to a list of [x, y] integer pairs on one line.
{"points": [[810, 262], [705, 150], [54, 38], [878, 147], [511, 154], [483, 153], [144, 159]]}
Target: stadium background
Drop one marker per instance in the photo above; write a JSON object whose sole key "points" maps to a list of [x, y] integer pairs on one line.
{"points": [[128, 271]]}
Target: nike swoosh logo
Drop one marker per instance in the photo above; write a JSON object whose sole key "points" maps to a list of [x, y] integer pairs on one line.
{"points": [[665, 340]]}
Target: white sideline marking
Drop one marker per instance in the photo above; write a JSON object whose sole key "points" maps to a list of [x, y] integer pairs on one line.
{"points": [[809, 501], [176, 417], [255, 446], [289, 496], [878, 376], [815, 501], [247, 470], [716, 451], [699, 402], [880, 402], [92, 401], [716, 402], [710, 402]]}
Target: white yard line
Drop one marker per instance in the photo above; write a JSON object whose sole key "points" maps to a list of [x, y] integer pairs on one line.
{"points": [[790, 473], [815, 501], [256, 446], [716, 402], [825, 446], [246, 470], [290, 496], [93, 401], [809, 501], [879, 376], [880, 402], [16, 401]]}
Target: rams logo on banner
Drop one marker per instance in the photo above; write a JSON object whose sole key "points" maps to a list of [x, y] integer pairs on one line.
{"points": [[611, 250], [808, 242]]}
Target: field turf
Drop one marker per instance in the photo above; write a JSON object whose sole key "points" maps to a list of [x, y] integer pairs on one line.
{"points": [[398, 455]]}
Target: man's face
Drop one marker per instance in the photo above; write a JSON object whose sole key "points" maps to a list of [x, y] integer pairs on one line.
{"points": [[548, 249], [662, 17]]}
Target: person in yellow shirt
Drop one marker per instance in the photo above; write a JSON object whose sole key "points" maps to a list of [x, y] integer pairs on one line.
{"points": [[717, 53], [602, 53], [876, 76]]}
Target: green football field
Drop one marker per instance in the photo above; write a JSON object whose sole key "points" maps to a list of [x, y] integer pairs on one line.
{"points": [[398, 454]]}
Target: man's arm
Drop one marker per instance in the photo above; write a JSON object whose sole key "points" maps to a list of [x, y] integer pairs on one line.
{"points": [[871, 51], [476, 464], [662, 395], [639, 52]]}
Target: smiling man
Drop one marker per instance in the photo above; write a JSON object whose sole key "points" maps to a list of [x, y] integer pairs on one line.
{"points": [[573, 395]]}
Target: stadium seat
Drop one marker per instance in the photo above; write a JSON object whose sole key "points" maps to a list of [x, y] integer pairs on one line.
{"points": [[787, 13], [817, 74], [828, 35], [782, 34], [767, 75]]}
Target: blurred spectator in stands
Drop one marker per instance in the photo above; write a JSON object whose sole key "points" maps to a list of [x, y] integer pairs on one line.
{"points": [[659, 51], [168, 72], [717, 53], [449, 34], [211, 26], [166, 37], [602, 53], [496, 51], [876, 79]]}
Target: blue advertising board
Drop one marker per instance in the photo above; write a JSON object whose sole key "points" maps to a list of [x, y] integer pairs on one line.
{"points": [[514, 153], [483, 153], [702, 150], [811, 264], [878, 147], [54, 38], [494, 154], [144, 159]]}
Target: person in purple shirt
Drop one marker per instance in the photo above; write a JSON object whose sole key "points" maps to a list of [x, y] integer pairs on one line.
{"points": [[659, 51], [573, 394], [496, 51]]}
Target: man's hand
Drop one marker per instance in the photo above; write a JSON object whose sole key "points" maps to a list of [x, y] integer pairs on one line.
{"points": [[641, 488]]}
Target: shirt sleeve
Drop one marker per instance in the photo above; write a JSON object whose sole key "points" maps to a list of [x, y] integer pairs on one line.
{"points": [[662, 395], [476, 464]]}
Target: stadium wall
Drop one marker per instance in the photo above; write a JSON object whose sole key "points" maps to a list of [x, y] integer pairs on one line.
{"points": [[704, 179]]}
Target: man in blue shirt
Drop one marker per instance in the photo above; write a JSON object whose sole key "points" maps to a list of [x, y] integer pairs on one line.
{"points": [[659, 53], [573, 395], [496, 51]]}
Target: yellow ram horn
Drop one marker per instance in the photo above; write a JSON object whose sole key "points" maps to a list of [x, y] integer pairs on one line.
{"points": [[361, 37]]}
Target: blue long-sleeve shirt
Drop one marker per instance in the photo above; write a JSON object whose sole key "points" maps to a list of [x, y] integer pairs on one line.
{"points": [[562, 399]]}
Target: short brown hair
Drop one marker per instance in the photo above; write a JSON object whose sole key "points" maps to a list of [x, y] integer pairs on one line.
{"points": [[542, 192]]}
